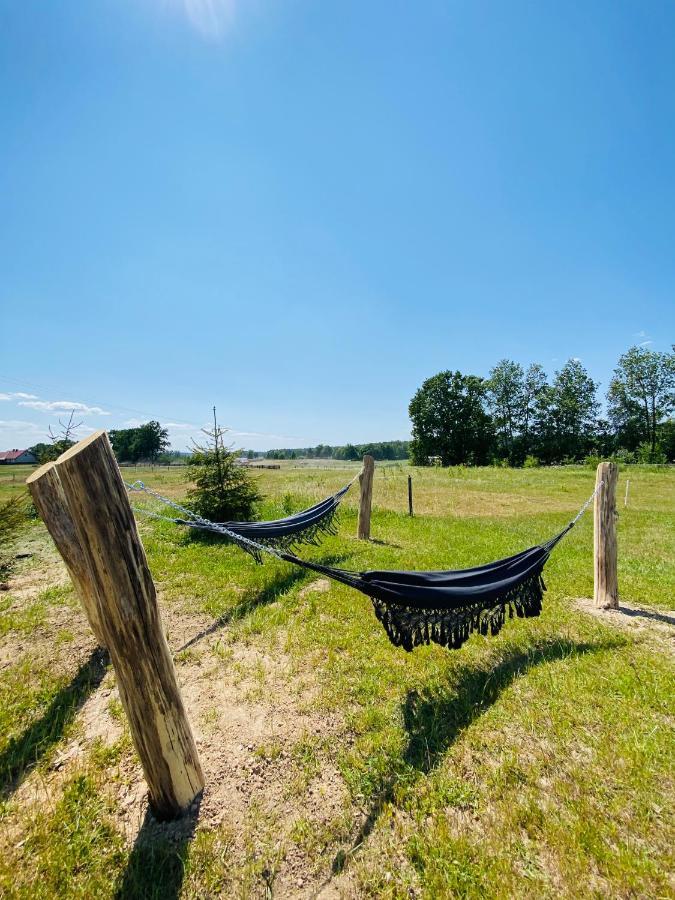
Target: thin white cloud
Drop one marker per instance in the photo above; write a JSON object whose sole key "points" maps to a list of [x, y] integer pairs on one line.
{"points": [[264, 434], [181, 426], [64, 406], [18, 425], [642, 334], [645, 343], [17, 395], [210, 18]]}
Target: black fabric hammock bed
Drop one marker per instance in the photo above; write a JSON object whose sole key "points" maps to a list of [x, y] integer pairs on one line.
{"points": [[446, 607], [303, 527], [415, 608]]}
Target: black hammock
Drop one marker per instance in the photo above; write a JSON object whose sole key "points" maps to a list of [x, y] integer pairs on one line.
{"points": [[300, 528], [443, 607], [447, 607]]}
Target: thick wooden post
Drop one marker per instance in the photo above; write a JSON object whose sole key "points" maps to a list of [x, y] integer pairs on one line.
{"points": [[606, 591], [366, 499], [410, 499], [124, 604], [45, 488]]}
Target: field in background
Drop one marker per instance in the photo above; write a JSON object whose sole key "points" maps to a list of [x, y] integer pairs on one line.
{"points": [[538, 763]]}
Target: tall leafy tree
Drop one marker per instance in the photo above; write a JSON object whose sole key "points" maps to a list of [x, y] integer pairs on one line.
{"points": [[535, 404], [572, 412], [641, 394], [506, 394], [449, 420], [146, 441]]}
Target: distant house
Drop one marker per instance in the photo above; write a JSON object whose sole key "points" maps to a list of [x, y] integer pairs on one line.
{"points": [[16, 457]]}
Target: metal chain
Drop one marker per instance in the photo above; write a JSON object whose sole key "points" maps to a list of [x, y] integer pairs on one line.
{"points": [[195, 521], [587, 503]]}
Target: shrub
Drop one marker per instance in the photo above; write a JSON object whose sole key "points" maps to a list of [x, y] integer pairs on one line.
{"points": [[224, 490], [531, 462], [13, 514], [645, 454]]}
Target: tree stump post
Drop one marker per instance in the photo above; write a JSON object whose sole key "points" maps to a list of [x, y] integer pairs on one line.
{"points": [[366, 498], [120, 597], [47, 492], [606, 585]]}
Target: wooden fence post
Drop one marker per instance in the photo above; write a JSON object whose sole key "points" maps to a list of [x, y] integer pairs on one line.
{"points": [[124, 603], [47, 492], [410, 497], [606, 586], [366, 498]]}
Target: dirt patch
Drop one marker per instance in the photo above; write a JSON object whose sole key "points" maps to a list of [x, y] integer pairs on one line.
{"points": [[320, 586], [657, 626]]}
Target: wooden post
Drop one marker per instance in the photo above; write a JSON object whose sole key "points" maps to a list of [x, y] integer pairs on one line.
{"points": [[45, 488], [124, 604], [366, 499], [410, 500], [606, 592], [625, 499]]}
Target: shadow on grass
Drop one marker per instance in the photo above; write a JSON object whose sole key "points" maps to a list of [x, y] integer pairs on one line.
{"points": [[156, 866], [24, 751], [653, 615], [435, 718], [267, 595]]}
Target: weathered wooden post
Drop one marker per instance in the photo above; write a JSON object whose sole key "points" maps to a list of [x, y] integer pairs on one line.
{"points": [[45, 488], [366, 498], [410, 499], [123, 602], [625, 499], [606, 585]]}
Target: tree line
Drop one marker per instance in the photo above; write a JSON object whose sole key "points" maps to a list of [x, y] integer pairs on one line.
{"points": [[518, 416], [379, 450], [146, 443]]}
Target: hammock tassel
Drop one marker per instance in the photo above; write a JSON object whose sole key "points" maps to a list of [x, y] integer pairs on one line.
{"points": [[410, 627]]}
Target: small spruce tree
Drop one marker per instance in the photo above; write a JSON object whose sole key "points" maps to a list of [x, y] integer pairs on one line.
{"points": [[223, 490]]}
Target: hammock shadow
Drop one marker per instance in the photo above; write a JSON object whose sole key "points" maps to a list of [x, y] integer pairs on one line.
{"points": [[434, 719], [267, 595], [156, 864], [24, 751]]}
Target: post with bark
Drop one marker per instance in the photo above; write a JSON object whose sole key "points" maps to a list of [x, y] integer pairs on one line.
{"points": [[606, 585], [366, 498], [45, 488], [84, 503]]}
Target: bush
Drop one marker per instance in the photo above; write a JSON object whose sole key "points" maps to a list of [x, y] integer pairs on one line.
{"points": [[13, 514], [224, 490], [531, 462], [627, 457], [645, 454]]}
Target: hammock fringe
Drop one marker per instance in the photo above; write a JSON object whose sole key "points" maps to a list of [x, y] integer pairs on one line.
{"points": [[288, 542], [411, 627]]}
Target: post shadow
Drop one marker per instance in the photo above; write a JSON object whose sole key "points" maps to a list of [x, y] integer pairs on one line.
{"points": [[156, 866], [28, 748], [653, 614], [435, 718], [267, 595]]}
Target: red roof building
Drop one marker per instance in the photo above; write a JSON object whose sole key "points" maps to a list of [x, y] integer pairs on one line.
{"points": [[16, 457]]}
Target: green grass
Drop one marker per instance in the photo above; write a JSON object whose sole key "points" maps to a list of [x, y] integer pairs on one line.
{"points": [[535, 764]]}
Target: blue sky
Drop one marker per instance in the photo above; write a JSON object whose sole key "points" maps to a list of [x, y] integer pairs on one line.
{"points": [[299, 210]]}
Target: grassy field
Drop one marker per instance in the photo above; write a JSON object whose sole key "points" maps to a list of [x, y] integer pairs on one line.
{"points": [[535, 764]]}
